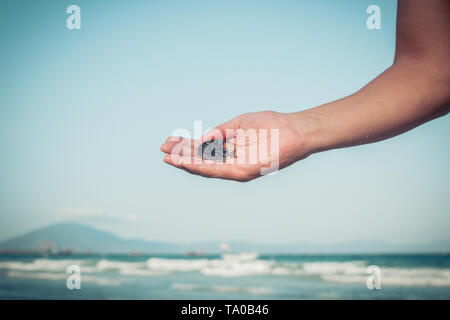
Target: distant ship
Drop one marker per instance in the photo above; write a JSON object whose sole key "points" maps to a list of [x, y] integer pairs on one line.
{"points": [[51, 250], [195, 253]]}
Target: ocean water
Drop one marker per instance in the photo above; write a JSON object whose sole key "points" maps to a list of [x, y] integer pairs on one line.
{"points": [[226, 277]]}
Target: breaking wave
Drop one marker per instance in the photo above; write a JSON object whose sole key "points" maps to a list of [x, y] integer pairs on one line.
{"points": [[62, 276], [40, 265], [329, 271]]}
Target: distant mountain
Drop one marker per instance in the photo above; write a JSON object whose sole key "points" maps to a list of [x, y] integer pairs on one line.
{"points": [[81, 238]]}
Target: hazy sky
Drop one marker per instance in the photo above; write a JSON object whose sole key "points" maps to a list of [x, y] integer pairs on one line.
{"points": [[84, 112]]}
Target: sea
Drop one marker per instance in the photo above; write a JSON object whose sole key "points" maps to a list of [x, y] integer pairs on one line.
{"points": [[230, 276]]}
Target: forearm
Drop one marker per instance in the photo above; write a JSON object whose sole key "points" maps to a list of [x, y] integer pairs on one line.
{"points": [[401, 98]]}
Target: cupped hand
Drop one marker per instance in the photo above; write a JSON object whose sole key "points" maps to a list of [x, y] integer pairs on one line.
{"points": [[264, 142]]}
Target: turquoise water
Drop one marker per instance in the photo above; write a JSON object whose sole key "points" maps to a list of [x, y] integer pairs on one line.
{"points": [[232, 277]]}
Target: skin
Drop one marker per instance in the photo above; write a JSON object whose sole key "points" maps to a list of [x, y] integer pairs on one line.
{"points": [[414, 90]]}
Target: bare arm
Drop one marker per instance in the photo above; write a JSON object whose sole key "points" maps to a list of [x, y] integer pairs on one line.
{"points": [[414, 90]]}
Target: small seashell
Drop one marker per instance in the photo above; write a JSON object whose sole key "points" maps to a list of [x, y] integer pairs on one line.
{"points": [[217, 150]]}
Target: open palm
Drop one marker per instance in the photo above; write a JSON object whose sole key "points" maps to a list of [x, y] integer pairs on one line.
{"points": [[289, 147]]}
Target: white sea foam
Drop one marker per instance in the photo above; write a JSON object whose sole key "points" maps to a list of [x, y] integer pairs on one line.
{"points": [[226, 268], [48, 265], [324, 268], [432, 277], [355, 272], [213, 267], [37, 275], [128, 268], [331, 271], [170, 265], [104, 265], [62, 277]]}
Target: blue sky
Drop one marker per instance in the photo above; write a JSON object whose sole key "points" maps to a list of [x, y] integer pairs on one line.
{"points": [[84, 112]]}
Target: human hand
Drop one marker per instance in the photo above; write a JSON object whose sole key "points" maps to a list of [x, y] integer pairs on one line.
{"points": [[264, 142]]}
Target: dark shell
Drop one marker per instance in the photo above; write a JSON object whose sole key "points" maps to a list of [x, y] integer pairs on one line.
{"points": [[213, 149]]}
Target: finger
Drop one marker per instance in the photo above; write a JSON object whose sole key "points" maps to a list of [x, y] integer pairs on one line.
{"points": [[206, 168], [174, 139], [181, 146]]}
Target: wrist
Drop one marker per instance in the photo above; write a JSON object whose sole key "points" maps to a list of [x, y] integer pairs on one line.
{"points": [[310, 129]]}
